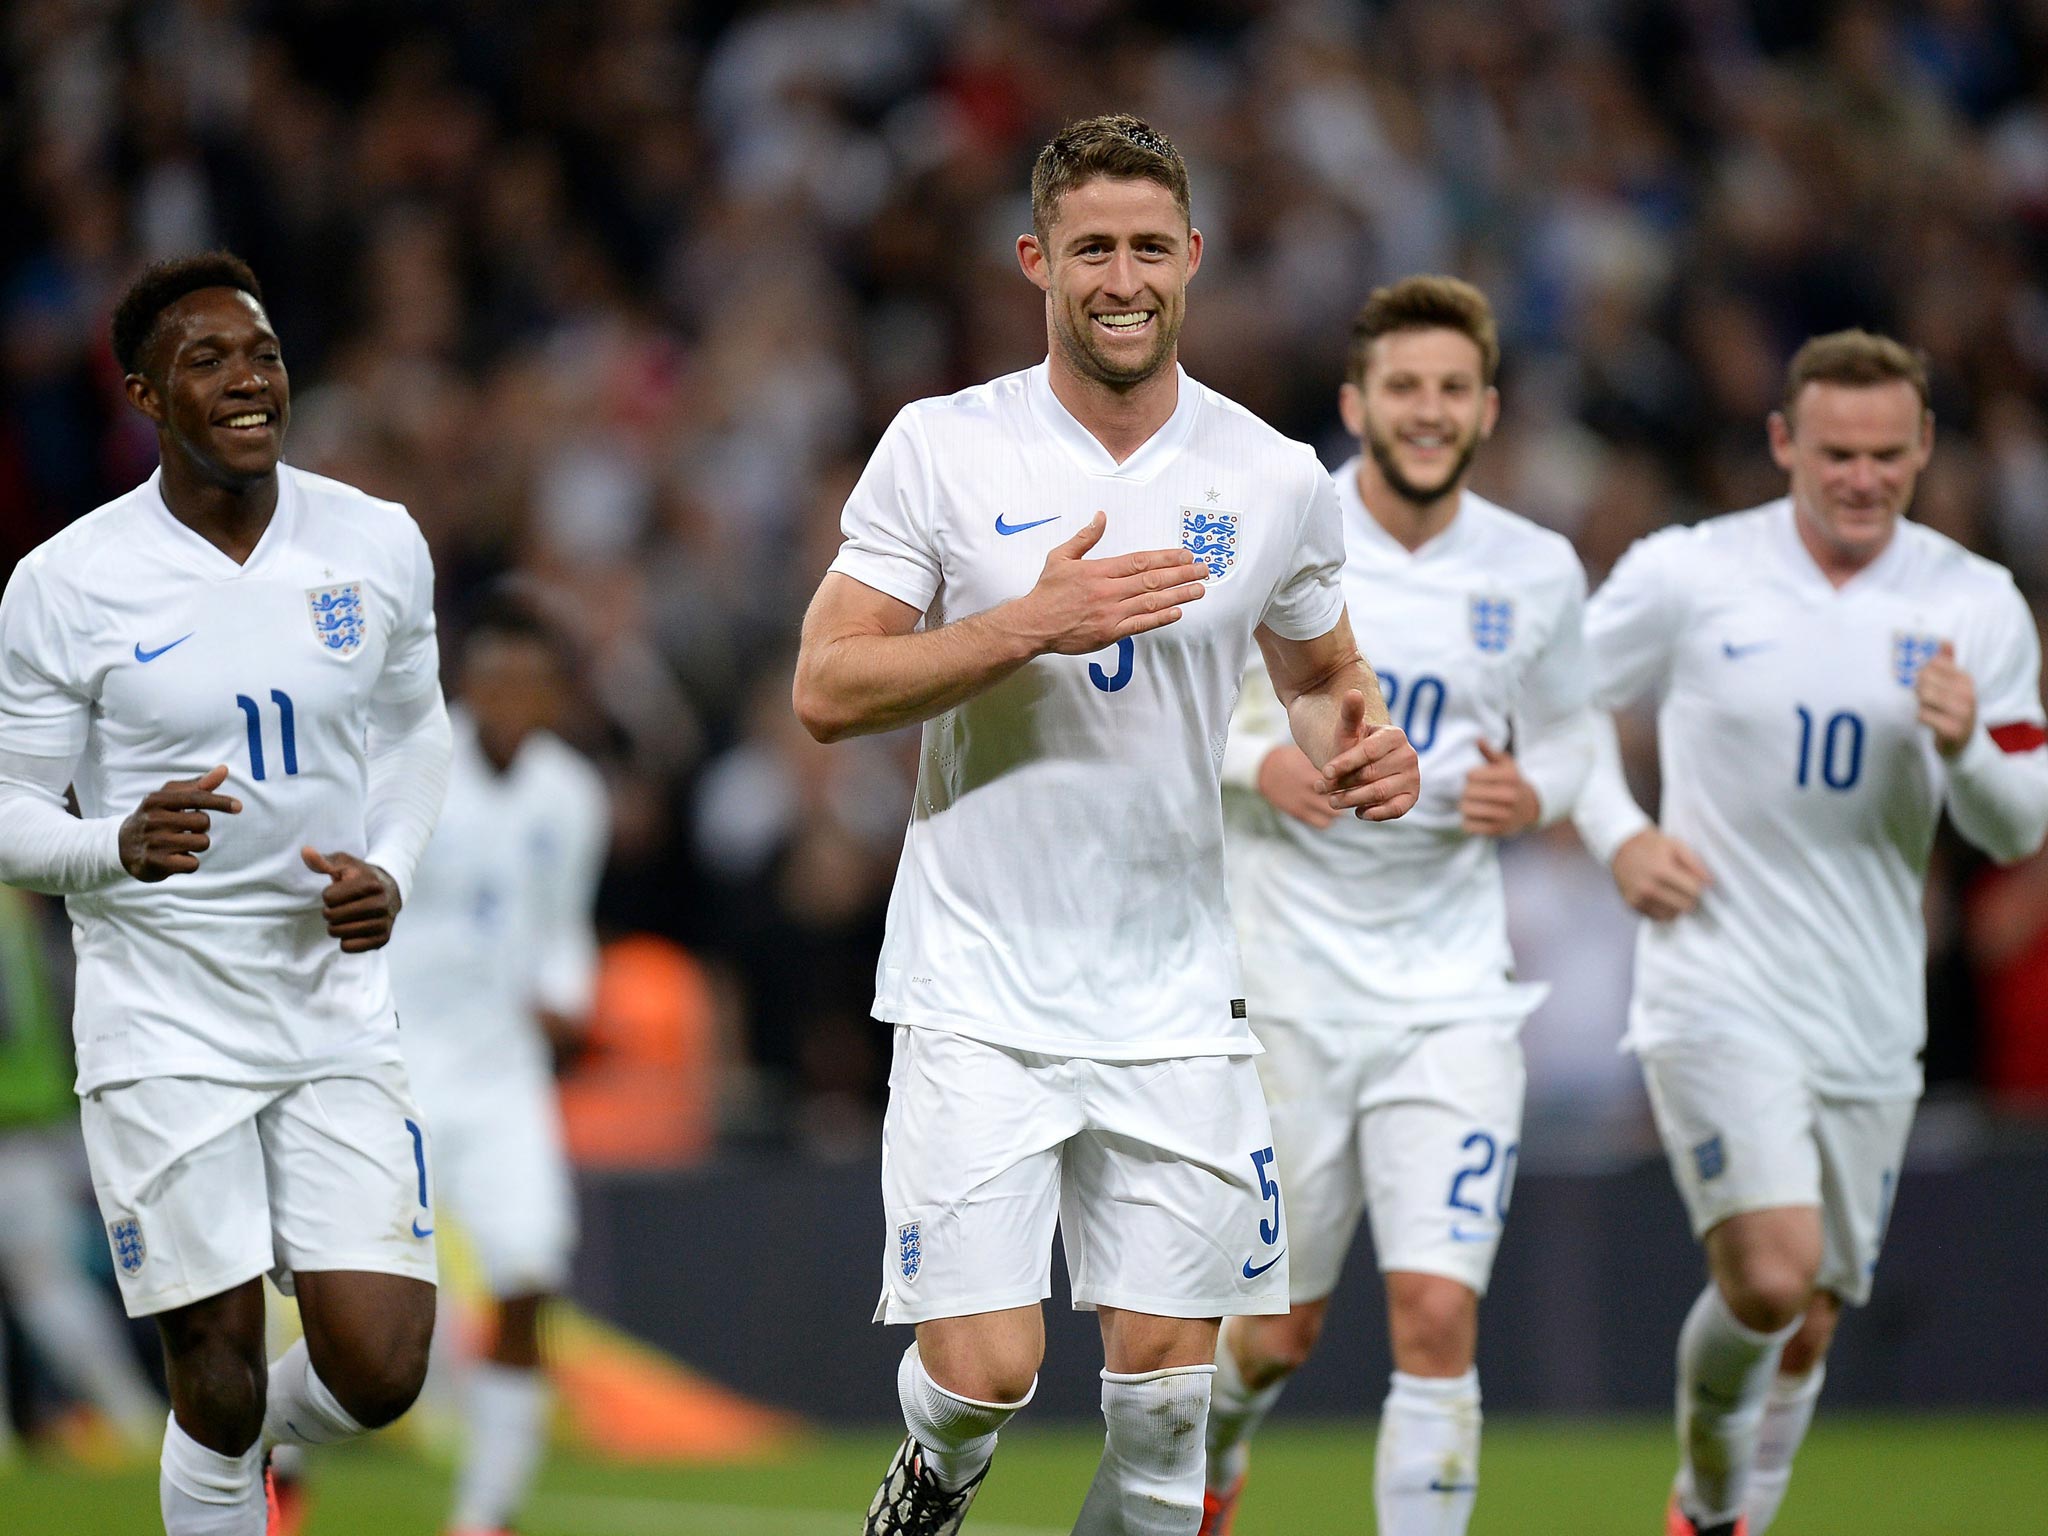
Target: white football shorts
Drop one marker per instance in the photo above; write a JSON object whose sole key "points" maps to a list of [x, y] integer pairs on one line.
{"points": [[1744, 1132], [501, 1172], [1159, 1175], [1419, 1126], [204, 1184]]}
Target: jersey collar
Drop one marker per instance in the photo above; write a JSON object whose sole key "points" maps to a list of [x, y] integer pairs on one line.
{"points": [[1808, 575], [201, 556], [1358, 517], [1089, 456]]}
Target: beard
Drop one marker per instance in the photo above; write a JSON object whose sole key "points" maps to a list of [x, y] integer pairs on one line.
{"points": [[1084, 354], [1382, 451]]}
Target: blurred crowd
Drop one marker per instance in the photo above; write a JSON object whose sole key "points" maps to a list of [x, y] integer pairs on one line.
{"points": [[617, 295]]}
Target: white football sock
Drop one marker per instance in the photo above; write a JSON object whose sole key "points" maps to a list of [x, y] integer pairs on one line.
{"points": [[507, 1430], [958, 1433], [1787, 1413], [1150, 1479], [1425, 1473], [1235, 1413], [203, 1493], [300, 1410], [1724, 1374]]}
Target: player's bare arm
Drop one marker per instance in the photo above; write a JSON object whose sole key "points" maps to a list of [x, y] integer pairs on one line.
{"points": [[360, 902], [1339, 719], [864, 667], [1497, 800], [1659, 876], [165, 835], [1947, 696]]}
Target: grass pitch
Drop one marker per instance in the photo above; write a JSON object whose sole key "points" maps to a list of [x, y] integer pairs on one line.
{"points": [[1926, 1476]]}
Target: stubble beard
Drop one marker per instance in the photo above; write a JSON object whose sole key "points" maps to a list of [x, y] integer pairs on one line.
{"points": [[1382, 451], [1083, 356]]}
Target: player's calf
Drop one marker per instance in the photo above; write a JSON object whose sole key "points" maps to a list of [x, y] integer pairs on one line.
{"points": [[367, 1340]]}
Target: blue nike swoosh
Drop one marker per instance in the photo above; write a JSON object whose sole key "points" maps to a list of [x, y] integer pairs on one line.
{"points": [[1460, 1235], [1438, 1485], [1736, 652], [1253, 1274], [416, 1232], [149, 656], [1010, 528]]}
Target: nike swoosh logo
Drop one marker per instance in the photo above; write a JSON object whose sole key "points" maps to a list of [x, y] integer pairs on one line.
{"points": [[416, 1232], [1438, 1485], [148, 656], [1007, 529], [1253, 1274], [1460, 1235], [1736, 652]]}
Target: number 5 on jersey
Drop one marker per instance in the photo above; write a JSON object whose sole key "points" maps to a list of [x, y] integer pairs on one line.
{"points": [[288, 739]]}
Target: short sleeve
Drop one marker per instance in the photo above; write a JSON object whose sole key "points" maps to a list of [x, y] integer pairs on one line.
{"points": [[1633, 622], [1310, 598], [45, 706], [887, 522], [2006, 668], [412, 663]]}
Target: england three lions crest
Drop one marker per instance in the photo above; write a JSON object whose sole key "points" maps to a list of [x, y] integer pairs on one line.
{"points": [[124, 1235], [337, 614], [910, 1248], [1211, 537], [1493, 623]]}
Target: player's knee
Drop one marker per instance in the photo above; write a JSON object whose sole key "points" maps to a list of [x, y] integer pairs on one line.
{"points": [[1768, 1292], [1280, 1346], [1434, 1323], [221, 1387], [376, 1392]]}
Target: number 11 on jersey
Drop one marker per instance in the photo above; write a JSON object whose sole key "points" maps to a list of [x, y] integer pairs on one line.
{"points": [[288, 739]]}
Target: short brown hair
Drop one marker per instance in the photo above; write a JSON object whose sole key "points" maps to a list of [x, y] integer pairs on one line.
{"points": [[1856, 358], [1427, 302], [1116, 145]]}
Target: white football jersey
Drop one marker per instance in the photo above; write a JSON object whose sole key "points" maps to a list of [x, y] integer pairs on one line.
{"points": [[1061, 886], [1793, 762], [498, 923], [1476, 634], [131, 645]]}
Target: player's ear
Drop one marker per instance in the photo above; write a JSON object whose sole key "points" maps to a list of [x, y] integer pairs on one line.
{"points": [[1780, 429], [1926, 436], [1351, 406], [144, 395], [1194, 251], [1032, 258], [1489, 414]]}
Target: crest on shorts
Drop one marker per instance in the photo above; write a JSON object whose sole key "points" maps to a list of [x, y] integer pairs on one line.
{"points": [[910, 1248], [1909, 654], [1710, 1159], [1493, 623], [129, 1248], [337, 614], [1211, 537]]}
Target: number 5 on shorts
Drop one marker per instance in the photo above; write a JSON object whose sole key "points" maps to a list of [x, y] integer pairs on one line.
{"points": [[1269, 1189]]}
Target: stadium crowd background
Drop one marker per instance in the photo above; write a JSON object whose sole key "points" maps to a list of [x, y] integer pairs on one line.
{"points": [[617, 296]]}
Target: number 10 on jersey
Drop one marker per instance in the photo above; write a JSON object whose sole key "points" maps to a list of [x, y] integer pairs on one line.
{"points": [[287, 732]]}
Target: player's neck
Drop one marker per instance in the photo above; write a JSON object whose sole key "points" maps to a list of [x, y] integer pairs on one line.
{"points": [[1122, 420], [1410, 523], [1839, 566], [230, 518]]}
